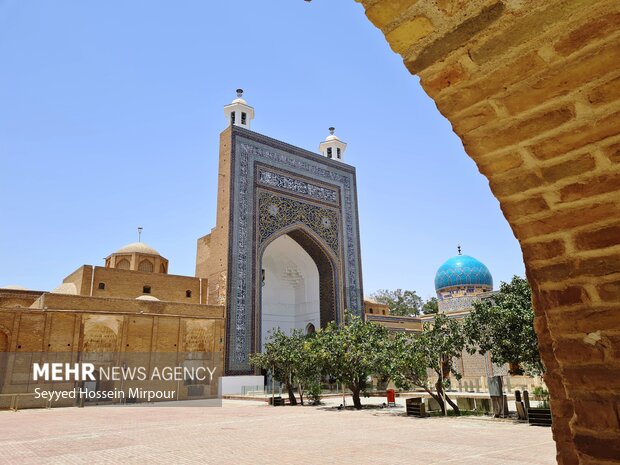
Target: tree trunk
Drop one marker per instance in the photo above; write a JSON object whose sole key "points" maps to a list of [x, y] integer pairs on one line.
{"points": [[441, 394], [439, 389], [455, 407], [291, 395], [437, 398], [300, 389], [445, 368], [357, 403], [515, 369]]}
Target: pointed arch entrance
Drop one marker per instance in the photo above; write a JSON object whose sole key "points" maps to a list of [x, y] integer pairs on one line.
{"points": [[298, 284]]}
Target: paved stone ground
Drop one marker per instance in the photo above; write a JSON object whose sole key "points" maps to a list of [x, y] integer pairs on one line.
{"points": [[254, 433]]}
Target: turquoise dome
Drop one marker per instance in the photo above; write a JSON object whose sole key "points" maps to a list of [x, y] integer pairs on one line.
{"points": [[463, 270]]}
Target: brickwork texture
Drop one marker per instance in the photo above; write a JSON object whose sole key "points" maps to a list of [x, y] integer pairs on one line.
{"points": [[70, 325], [533, 90]]}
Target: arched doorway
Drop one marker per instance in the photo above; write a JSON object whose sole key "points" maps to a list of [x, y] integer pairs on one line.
{"points": [[4, 349], [99, 347], [297, 285], [198, 354]]}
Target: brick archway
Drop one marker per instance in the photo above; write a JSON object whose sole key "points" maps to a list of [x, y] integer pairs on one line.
{"points": [[533, 90], [330, 308], [328, 276]]}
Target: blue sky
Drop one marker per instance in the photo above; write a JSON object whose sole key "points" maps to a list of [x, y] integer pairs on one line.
{"points": [[110, 114]]}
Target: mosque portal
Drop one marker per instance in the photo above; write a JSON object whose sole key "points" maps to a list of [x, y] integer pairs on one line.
{"points": [[285, 250]]}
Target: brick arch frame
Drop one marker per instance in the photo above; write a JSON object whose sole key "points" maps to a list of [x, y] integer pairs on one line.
{"points": [[146, 265], [100, 337], [5, 337], [5, 341], [123, 264], [328, 265], [532, 90]]}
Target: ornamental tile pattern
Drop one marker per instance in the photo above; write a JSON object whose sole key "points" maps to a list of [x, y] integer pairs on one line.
{"points": [[276, 212], [463, 270], [313, 180], [298, 186], [457, 304]]}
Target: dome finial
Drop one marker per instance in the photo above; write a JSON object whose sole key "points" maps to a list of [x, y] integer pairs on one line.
{"points": [[239, 93], [458, 248], [331, 130], [140, 228]]}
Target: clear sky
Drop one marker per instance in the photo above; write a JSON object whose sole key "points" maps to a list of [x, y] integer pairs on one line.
{"points": [[110, 114]]}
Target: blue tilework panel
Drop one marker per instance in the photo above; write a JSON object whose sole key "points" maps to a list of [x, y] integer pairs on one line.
{"points": [[305, 187]]}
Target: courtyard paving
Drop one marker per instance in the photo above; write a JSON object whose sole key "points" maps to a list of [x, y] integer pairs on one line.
{"points": [[242, 432]]}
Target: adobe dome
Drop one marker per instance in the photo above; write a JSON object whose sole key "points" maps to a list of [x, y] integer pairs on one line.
{"points": [[66, 288], [463, 270], [14, 287], [138, 247], [137, 256]]}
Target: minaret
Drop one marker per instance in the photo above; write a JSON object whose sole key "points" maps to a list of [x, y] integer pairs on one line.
{"points": [[239, 113], [332, 147]]}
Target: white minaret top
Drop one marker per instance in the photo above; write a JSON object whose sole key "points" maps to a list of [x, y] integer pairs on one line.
{"points": [[332, 147], [239, 113]]}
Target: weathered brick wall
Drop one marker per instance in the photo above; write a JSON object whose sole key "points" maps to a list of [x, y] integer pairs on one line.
{"points": [[137, 327], [212, 250], [533, 90], [129, 284], [114, 305], [18, 298]]}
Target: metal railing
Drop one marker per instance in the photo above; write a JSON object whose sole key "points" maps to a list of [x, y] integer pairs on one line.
{"points": [[252, 390]]}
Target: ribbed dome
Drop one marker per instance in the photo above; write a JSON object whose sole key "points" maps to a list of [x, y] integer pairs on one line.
{"points": [[138, 247], [463, 270]]}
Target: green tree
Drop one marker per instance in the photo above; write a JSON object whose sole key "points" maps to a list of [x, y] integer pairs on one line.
{"points": [[353, 352], [503, 325], [401, 303], [282, 356], [436, 348], [308, 367], [408, 364], [430, 306]]}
